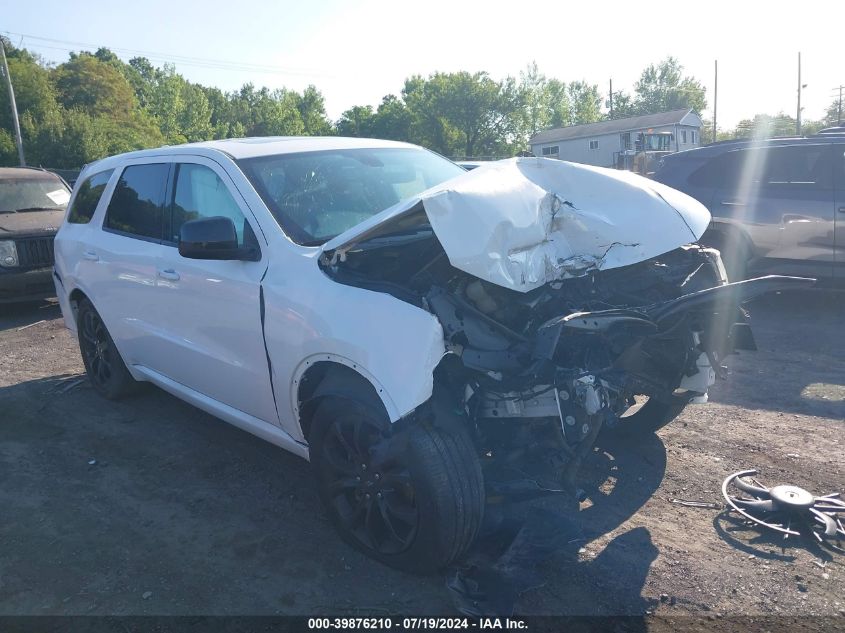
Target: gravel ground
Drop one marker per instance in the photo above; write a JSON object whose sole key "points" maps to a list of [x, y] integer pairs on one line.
{"points": [[149, 506]]}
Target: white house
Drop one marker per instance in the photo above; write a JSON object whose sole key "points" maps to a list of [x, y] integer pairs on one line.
{"points": [[600, 143]]}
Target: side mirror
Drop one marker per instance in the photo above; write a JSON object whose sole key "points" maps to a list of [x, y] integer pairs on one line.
{"points": [[213, 238]]}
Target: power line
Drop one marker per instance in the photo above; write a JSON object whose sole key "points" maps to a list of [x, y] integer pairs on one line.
{"points": [[169, 60], [215, 64], [169, 57]]}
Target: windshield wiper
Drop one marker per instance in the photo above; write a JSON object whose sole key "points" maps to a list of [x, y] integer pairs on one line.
{"points": [[8, 211], [38, 209]]}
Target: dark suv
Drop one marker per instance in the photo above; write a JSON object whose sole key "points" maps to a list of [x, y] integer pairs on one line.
{"points": [[32, 205], [778, 205]]}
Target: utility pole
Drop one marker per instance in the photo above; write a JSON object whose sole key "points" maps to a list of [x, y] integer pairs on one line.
{"points": [[798, 113], [839, 109], [15, 122], [611, 99], [715, 97]]}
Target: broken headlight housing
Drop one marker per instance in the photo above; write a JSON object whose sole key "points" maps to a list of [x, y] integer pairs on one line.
{"points": [[8, 254]]}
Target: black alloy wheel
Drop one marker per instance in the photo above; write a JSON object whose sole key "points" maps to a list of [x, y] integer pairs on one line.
{"points": [[103, 364], [411, 498], [97, 349], [371, 492]]}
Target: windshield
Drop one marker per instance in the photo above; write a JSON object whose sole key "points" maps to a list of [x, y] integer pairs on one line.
{"points": [[32, 194], [315, 196]]}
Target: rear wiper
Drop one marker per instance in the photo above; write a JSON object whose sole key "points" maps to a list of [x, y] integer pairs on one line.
{"points": [[38, 209]]}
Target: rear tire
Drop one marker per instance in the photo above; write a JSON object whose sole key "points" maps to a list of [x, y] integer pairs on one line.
{"points": [[412, 499], [103, 364]]}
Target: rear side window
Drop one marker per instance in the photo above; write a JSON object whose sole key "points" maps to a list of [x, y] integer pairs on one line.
{"points": [[720, 171], [88, 197], [137, 204], [200, 193], [798, 166], [789, 167]]}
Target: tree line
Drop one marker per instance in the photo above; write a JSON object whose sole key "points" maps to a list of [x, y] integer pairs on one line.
{"points": [[95, 105]]}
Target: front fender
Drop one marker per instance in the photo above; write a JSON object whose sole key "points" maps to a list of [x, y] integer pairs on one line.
{"points": [[394, 345]]}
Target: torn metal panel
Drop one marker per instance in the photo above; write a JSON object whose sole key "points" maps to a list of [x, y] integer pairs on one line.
{"points": [[524, 222]]}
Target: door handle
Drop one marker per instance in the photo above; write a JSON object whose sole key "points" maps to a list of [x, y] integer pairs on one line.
{"points": [[91, 256], [732, 203], [841, 209], [169, 274]]}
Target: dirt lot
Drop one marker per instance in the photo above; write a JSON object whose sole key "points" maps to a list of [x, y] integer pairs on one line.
{"points": [[149, 506]]}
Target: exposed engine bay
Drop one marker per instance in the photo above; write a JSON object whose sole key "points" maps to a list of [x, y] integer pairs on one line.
{"points": [[544, 371], [572, 299]]}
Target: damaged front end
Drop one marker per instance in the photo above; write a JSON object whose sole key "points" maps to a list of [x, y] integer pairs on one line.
{"points": [[548, 345]]}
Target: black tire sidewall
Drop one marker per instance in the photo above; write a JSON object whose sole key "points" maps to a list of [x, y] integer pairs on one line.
{"points": [[433, 545], [121, 382]]}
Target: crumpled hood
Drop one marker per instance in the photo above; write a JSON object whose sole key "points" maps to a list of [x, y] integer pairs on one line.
{"points": [[524, 222], [30, 222]]}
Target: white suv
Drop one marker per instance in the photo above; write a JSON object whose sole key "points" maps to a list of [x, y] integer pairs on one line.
{"points": [[426, 336]]}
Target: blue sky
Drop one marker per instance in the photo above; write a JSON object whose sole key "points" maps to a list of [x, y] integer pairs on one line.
{"points": [[356, 52]]}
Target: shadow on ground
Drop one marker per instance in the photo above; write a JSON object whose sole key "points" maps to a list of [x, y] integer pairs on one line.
{"points": [[149, 505], [17, 315], [787, 327], [547, 544], [768, 545]]}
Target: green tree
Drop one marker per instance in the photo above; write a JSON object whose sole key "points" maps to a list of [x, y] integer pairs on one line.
{"points": [[357, 121], [144, 77], [35, 99], [165, 104], [585, 102], [8, 150], [95, 87], [221, 117], [95, 104], [463, 114], [835, 113], [558, 104], [535, 93], [428, 127], [181, 109], [265, 113], [195, 116], [623, 105], [72, 138], [765, 126], [33, 91], [393, 120], [573, 103], [664, 87], [312, 112]]}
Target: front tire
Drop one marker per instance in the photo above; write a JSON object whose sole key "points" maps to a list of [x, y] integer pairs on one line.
{"points": [[412, 499], [103, 364]]}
